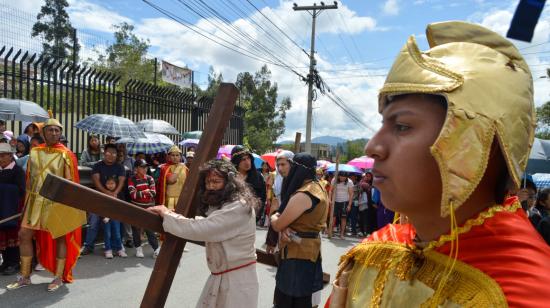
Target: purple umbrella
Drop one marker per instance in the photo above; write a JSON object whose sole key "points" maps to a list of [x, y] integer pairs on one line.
{"points": [[225, 150]]}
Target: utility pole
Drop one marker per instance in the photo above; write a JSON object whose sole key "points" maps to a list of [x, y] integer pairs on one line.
{"points": [[314, 10]]}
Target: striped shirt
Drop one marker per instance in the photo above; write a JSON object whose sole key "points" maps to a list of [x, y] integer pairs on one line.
{"points": [[142, 189]]}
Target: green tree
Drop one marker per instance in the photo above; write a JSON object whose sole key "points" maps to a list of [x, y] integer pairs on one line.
{"points": [[126, 56], [543, 121], [54, 26], [543, 118], [214, 81], [264, 118]]}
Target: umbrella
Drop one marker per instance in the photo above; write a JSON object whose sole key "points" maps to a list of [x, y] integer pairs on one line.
{"points": [[158, 126], [542, 180], [258, 161], [363, 162], [20, 110], [539, 158], [225, 150], [270, 158], [110, 125], [192, 135], [189, 142], [324, 164], [151, 144], [344, 168]]}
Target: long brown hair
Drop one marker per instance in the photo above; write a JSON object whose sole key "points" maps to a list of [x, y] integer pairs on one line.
{"points": [[234, 189]]}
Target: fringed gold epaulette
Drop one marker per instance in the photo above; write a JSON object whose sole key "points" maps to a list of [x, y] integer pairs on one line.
{"points": [[465, 285]]}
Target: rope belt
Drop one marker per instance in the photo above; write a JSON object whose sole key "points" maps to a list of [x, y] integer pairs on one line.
{"points": [[234, 269]]}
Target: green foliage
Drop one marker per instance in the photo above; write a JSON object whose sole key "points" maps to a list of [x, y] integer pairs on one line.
{"points": [[264, 117], [543, 121], [54, 26], [126, 56], [214, 81]]}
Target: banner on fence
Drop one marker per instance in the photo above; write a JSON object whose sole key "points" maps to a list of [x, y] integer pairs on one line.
{"points": [[176, 75]]}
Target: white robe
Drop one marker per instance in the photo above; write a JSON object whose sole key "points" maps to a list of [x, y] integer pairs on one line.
{"points": [[230, 234]]}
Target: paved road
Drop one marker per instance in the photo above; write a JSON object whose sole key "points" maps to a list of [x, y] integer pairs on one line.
{"points": [[121, 282]]}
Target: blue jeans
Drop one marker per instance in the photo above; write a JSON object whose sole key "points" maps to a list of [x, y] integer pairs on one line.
{"points": [[91, 233], [111, 232]]}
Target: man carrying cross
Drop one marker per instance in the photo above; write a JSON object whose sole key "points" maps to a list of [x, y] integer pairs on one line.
{"points": [[55, 226], [229, 230]]}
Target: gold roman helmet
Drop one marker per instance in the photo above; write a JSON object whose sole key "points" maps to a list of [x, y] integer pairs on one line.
{"points": [[174, 149], [489, 92], [52, 122]]}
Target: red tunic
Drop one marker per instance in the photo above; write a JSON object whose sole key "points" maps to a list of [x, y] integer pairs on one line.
{"points": [[506, 247]]}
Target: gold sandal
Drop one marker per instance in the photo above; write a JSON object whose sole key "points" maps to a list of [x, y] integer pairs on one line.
{"points": [[56, 283], [21, 282]]}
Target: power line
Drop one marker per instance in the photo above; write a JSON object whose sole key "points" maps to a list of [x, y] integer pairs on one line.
{"points": [[284, 33], [252, 43], [224, 42]]}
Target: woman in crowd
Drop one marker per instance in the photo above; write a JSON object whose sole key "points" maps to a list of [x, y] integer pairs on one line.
{"points": [[365, 202], [92, 154], [12, 191], [269, 178], [229, 230], [22, 147], [342, 195], [304, 205]]}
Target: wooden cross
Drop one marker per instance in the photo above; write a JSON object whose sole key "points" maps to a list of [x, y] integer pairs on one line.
{"points": [[71, 194]]}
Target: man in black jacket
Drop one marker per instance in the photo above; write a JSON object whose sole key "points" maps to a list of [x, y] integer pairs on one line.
{"points": [[243, 160]]}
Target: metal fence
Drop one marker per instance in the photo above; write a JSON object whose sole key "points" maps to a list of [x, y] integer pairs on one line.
{"points": [[73, 92]]}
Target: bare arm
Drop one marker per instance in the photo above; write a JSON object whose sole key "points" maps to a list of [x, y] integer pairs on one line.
{"points": [[297, 205]]}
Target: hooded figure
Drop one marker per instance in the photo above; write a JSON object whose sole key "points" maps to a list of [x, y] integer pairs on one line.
{"points": [[253, 176], [458, 125], [300, 218]]}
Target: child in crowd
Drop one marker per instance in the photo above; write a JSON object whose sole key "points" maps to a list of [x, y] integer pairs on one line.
{"points": [[111, 228], [141, 187]]}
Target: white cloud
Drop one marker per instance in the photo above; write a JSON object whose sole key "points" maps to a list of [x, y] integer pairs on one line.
{"points": [[499, 21], [390, 7], [88, 15]]}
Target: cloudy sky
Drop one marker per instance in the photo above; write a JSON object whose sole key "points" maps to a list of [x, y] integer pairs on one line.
{"points": [[354, 48]]}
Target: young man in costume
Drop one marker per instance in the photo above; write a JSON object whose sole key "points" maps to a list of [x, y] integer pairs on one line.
{"points": [[171, 179], [458, 124], [56, 227]]}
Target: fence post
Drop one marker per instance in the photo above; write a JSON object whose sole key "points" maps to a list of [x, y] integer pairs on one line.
{"points": [[118, 106]]}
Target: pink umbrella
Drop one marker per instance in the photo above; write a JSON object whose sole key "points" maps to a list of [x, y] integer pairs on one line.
{"points": [[363, 162], [324, 164], [225, 151]]}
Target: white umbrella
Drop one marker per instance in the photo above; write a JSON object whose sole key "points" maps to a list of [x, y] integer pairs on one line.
{"points": [[20, 110], [158, 126]]}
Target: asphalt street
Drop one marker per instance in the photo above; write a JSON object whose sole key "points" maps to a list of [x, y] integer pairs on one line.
{"points": [[119, 282]]}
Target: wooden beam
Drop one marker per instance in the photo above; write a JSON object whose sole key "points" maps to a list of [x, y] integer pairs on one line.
{"points": [[297, 142], [172, 248]]}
